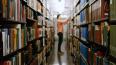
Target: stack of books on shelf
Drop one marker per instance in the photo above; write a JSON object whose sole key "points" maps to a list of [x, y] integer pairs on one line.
{"points": [[13, 10], [96, 28], [21, 44]]}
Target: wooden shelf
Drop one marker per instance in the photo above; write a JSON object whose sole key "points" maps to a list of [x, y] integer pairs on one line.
{"points": [[98, 46], [9, 21], [31, 20], [40, 2], [23, 2], [35, 56], [38, 13], [84, 42], [100, 20], [47, 18], [83, 7], [9, 56], [112, 22], [93, 1], [95, 22], [82, 25], [77, 3], [89, 43], [30, 42], [39, 26]]}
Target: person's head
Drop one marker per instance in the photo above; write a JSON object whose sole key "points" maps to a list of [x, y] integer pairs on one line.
{"points": [[59, 16]]}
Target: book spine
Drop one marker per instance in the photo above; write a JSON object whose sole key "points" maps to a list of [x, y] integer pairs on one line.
{"points": [[4, 11], [18, 10]]}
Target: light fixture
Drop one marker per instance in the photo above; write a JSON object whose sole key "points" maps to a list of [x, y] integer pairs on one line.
{"points": [[59, 0]]}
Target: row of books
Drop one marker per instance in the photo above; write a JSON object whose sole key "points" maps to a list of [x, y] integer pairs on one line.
{"points": [[82, 13], [91, 57], [18, 10], [100, 10], [83, 55], [10, 40], [33, 34], [93, 12], [95, 33], [13, 10], [16, 60]]}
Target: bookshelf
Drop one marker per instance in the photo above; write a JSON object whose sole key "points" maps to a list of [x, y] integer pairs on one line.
{"points": [[21, 33], [93, 26]]}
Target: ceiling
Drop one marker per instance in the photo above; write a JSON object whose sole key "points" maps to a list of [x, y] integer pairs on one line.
{"points": [[62, 7]]}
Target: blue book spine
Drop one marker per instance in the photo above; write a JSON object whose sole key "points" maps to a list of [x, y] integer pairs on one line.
{"points": [[82, 62], [84, 50]]}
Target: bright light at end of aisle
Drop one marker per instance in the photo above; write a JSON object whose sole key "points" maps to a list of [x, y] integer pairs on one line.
{"points": [[56, 5]]}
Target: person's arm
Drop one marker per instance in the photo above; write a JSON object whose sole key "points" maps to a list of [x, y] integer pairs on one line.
{"points": [[63, 21]]}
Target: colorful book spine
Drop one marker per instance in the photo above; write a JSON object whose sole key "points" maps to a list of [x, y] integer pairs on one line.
{"points": [[4, 8], [84, 50], [18, 10], [84, 32], [97, 34]]}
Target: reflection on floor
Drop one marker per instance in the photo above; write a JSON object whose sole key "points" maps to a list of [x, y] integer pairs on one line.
{"points": [[60, 59]]}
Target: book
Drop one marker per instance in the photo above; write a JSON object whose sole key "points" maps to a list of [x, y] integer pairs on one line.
{"points": [[84, 50], [83, 13], [4, 8], [112, 9], [89, 59], [91, 32], [18, 10], [14, 37], [10, 38], [82, 17], [105, 31], [22, 38], [39, 7], [5, 41], [104, 8], [90, 14], [12, 9], [100, 10], [112, 40], [97, 34], [82, 62], [96, 13], [87, 15], [23, 13]]}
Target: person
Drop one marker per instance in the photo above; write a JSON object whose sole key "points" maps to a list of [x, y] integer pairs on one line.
{"points": [[60, 24]]}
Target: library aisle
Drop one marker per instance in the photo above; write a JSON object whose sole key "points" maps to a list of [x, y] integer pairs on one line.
{"points": [[59, 59], [32, 32]]}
